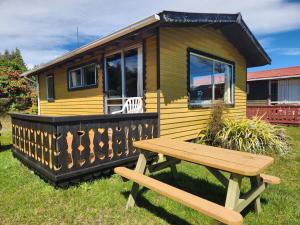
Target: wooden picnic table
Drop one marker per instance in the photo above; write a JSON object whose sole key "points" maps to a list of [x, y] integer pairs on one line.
{"points": [[238, 164]]}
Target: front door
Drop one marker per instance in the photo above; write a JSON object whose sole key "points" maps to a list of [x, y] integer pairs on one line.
{"points": [[123, 77]]}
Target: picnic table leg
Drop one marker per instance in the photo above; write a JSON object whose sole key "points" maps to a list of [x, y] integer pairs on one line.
{"points": [[255, 182], [140, 168], [173, 167], [233, 191]]}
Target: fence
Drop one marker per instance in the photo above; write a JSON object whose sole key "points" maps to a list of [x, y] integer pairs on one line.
{"points": [[278, 114]]}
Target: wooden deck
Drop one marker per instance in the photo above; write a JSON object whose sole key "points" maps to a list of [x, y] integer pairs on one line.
{"points": [[278, 114]]}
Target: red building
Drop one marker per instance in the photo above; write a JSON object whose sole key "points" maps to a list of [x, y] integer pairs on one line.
{"points": [[275, 95], [276, 86]]}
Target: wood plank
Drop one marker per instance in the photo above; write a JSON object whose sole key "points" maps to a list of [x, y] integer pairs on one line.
{"points": [[204, 206], [243, 163], [270, 179]]}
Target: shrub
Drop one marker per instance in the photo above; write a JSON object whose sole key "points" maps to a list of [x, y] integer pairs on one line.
{"points": [[4, 104], [250, 135]]}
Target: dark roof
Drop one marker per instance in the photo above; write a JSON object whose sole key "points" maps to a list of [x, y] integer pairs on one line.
{"points": [[278, 73], [232, 26]]}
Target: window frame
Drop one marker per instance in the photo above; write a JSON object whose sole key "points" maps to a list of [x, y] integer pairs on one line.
{"points": [[47, 93], [141, 71], [81, 67], [213, 58]]}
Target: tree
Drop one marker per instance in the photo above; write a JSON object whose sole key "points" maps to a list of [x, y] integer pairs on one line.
{"points": [[19, 60], [15, 92]]}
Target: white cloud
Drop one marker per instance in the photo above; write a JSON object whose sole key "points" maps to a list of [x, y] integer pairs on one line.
{"points": [[286, 51], [42, 29]]}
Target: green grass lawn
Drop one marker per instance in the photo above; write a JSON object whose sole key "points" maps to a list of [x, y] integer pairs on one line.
{"points": [[26, 199]]}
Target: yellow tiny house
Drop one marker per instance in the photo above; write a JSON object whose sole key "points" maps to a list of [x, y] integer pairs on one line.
{"points": [[157, 77], [164, 41]]}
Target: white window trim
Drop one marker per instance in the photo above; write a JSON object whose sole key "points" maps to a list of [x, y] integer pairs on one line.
{"points": [[137, 46], [81, 76], [210, 102]]}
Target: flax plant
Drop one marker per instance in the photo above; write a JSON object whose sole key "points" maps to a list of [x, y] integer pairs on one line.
{"points": [[249, 135]]}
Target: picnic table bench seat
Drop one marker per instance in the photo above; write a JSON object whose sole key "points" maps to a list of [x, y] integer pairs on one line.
{"points": [[269, 179], [204, 206]]}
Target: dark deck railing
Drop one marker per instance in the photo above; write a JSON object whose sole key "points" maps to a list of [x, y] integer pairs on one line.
{"points": [[278, 114], [66, 148]]}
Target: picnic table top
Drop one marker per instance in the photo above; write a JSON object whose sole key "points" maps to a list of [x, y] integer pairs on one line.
{"points": [[243, 163]]}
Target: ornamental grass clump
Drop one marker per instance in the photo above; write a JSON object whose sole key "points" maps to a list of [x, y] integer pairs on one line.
{"points": [[250, 135]]}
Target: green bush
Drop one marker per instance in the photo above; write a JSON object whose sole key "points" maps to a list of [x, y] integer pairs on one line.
{"points": [[250, 135]]}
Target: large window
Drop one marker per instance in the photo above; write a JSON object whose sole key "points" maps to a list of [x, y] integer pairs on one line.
{"points": [[123, 77], [50, 87], [210, 80], [83, 77]]}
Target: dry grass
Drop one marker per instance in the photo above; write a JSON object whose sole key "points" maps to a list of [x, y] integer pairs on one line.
{"points": [[6, 123]]}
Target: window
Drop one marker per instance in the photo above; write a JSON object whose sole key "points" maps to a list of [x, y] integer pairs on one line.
{"points": [[114, 78], [123, 77], [210, 80], [50, 87], [83, 77]]}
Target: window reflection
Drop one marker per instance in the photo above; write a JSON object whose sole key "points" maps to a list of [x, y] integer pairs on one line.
{"points": [[210, 80], [114, 75], [131, 72], [200, 80]]}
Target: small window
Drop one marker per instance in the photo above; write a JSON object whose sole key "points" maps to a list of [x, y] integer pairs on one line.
{"points": [[50, 87], [83, 77], [210, 80]]}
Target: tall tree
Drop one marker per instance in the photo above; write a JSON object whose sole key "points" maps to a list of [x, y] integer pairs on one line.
{"points": [[19, 60]]}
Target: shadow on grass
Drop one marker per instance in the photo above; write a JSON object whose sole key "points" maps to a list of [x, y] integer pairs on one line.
{"points": [[5, 147], [199, 187]]}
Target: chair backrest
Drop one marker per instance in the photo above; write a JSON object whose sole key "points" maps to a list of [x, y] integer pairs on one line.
{"points": [[133, 105]]}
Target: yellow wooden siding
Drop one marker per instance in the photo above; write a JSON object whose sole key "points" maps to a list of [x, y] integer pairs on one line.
{"points": [[77, 102], [151, 84], [177, 121], [91, 101]]}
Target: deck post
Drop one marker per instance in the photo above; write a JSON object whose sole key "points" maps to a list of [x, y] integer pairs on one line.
{"points": [[140, 168]]}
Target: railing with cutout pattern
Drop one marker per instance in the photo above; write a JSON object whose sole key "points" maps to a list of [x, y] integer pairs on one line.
{"points": [[66, 147]]}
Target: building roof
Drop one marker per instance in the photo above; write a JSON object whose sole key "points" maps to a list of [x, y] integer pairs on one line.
{"points": [[231, 25], [279, 73]]}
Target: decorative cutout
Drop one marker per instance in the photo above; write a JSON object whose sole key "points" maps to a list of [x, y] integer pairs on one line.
{"points": [[56, 138], [126, 129], [50, 150], [69, 139], [92, 150], [80, 147], [110, 142], [101, 130]]}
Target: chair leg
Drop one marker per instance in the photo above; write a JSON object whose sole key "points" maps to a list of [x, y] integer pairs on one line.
{"points": [[140, 168]]}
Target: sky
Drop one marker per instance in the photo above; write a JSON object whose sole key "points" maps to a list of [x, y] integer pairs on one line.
{"points": [[46, 29]]}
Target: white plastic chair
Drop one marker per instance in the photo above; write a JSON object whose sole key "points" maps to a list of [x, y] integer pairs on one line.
{"points": [[132, 105]]}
